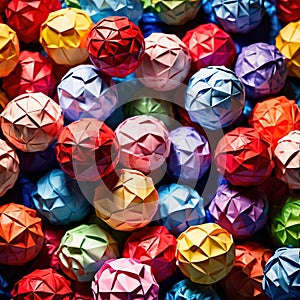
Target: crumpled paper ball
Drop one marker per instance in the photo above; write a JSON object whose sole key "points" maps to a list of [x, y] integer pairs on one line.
{"points": [[205, 253], [215, 97], [262, 69], [87, 150], [176, 203], [84, 93], [274, 118], [21, 235], [210, 46], [26, 17], [129, 204], [64, 36], [116, 46], [34, 73], [287, 158], [242, 212], [288, 10], [287, 42], [238, 16], [125, 278], [84, 249], [166, 62], [245, 279], [59, 200], [9, 50], [42, 284], [144, 143], [282, 275], [31, 122], [187, 290], [243, 157], [154, 246], [190, 156]]}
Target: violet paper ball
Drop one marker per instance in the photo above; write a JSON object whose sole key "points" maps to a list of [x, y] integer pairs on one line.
{"points": [[262, 69], [84, 93]]}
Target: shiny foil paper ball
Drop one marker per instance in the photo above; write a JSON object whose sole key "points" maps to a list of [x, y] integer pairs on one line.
{"points": [[288, 10], [215, 97], [116, 46], [83, 250], [33, 74], [275, 118], [129, 204], [243, 157], [64, 36], [59, 200], [31, 122], [144, 143], [242, 212], [87, 150], [205, 253], [282, 275], [210, 46], [42, 284], [26, 17], [287, 158], [21, 235], [238, 16], [124, 278], [245, 279], [176, 203], [9, 50], [166, 63], [262, 69], [154, 246]]}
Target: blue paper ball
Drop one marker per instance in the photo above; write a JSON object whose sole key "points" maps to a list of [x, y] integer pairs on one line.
{"points": [[282, 275], [150, 23], [58, 199]]}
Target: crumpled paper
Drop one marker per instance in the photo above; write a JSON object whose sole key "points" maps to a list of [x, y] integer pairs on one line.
{"points": [[154, 246], [87, 150], [262, 69], [84, 93], [243, 157], [144, 143], [42, 284], [9, 50], [274, 118], [3, 100], [83, 250], [116, 46], [288, 10], [21, 235], [242, 212], [129, 204], [215, 97], [31, 122], [205, 253], [282, 275], [26, 17], [245, 279], [166, 62], [209, 45], [125, 278], [64, 36], [238, 16], [34, 73]]}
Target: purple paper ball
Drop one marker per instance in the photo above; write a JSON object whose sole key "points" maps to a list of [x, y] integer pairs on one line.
{"points": [[262, 69], [241, 211]]}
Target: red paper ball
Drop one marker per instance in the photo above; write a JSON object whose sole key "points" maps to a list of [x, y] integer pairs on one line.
{"points": [[288, 10], [26, 17], [116, 46], [87, 150], [3, 4], [42, 284], [210, 46], [153, 246], [32, 74], [243, 157]]}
